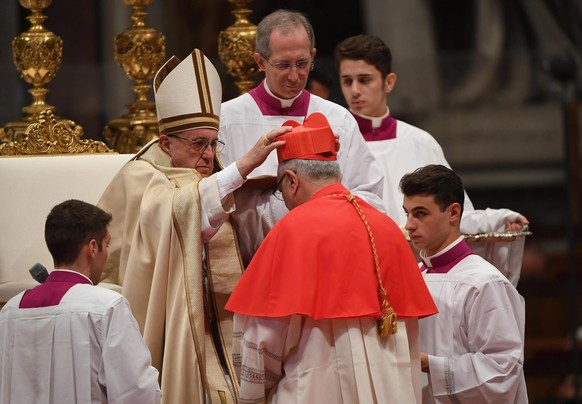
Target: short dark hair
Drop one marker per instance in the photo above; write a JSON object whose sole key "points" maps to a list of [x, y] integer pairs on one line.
{"points": [[72, 224], [321, 75], [437, 180], [368, 48]]}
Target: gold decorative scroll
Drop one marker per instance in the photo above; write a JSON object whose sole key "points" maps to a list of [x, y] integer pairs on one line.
{"points": [[49, 136], [140, 51], [236, 45]]}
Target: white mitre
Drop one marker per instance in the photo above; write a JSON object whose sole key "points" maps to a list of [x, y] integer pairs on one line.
{"points": [[188, 94]]}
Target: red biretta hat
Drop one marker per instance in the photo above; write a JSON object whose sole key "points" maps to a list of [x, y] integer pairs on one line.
{"points": [[312, 140]]}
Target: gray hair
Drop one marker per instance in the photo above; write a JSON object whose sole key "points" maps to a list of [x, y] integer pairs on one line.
{"points": [[284, 20], [317, 170]]}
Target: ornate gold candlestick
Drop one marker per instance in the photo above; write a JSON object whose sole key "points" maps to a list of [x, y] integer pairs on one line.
{"points": [[140, 51], [37, 55], [236, 45]]}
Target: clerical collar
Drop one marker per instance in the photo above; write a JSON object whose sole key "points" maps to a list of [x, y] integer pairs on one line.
{"points": [[284, 103], [53, 289], [271, 105], [376, 128], [71, 275], [375, 120], [443, 261]]}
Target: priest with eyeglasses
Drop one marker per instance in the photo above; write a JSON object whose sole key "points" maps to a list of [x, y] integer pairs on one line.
{"points": [[285, 52]]}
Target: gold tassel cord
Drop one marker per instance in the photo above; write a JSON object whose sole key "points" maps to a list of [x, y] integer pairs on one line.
{"points": [[387, 322]]}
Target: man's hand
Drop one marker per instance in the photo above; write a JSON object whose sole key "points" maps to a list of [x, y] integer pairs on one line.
{"points": [[424, 362], [259, 152], [520, 224]]}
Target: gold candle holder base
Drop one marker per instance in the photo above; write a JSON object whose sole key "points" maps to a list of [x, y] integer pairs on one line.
{"points": [[132, 131]]}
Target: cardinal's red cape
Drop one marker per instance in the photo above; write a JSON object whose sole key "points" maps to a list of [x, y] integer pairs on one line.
{"points": [[317, 261]]}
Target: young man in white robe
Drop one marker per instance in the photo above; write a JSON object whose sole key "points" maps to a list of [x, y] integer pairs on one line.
{"points": [[364, 63], [285, 51], [472, 350], [67, 340]]}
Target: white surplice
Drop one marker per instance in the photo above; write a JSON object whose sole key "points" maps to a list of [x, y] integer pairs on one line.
{"points": [[475, 343], [86, 349], [410, 149], [296, 359]]}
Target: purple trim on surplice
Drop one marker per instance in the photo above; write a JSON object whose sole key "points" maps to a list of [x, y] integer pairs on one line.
{"points": [[52, 290], [270, 106], [443, 263], [386, 130]]}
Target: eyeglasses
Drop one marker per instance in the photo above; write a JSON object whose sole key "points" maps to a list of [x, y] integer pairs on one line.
{"points": [[277, 193], [300, 65], [200, 145]]}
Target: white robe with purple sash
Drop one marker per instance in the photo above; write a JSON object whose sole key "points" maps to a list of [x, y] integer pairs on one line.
{"points": [[85, 349], [475, 343]]}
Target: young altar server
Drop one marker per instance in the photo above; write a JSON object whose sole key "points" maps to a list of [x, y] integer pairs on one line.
{"points": [[364, 63], [472, 350], [67, 340]]}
